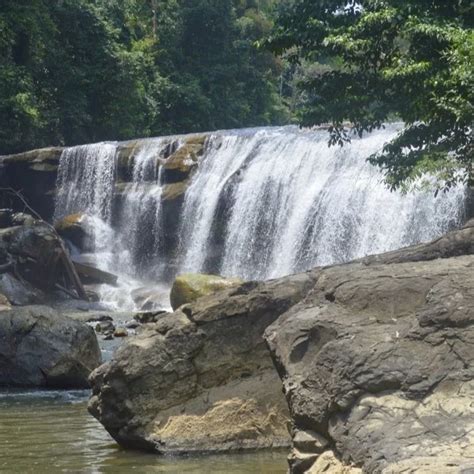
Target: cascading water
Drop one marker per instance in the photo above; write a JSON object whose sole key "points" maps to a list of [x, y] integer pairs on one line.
{"points": [[261, 204], [86, 180], [142, 204], [293, 203], [86, 185]]}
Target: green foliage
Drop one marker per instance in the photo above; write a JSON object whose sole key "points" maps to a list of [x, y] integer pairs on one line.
{"points": [[75, 71], [385, 59]]}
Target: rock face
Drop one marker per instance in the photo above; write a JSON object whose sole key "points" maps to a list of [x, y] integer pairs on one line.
{"points": [[191, 286], [42, 348], [377, 362], [200, 379], [34, 172]]}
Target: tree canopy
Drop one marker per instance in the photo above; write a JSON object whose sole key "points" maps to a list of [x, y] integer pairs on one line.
{"points": [[75, 71], [383, 60]]}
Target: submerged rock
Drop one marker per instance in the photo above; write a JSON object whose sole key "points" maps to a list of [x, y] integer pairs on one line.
{"points": [[40, 347], [377, 361], [191, 286], [200, 379]]}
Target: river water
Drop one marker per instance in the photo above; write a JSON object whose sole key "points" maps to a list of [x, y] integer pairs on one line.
{"points": [[51, 431]]}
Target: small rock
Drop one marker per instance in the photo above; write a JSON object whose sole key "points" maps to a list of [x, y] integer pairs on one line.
{"points": [[132, 325], [145, 317], [105, 327], [120, 332]]}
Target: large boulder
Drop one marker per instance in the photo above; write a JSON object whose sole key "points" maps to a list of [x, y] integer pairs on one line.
{"points": [[191, 286], [34, 264], [20, 292], [41, 348], [377, 363], [200, 379]]}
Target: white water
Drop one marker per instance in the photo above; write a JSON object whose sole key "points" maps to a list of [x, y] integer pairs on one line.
{"points": [[263, 203]]}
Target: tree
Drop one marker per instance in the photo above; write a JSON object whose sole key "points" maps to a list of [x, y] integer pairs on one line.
{"points": [[76, 71], [387, 59]]}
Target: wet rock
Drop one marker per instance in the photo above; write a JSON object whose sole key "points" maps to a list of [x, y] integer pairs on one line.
{"points": [[200, 379], [75, 229], [149, 299], [20, 292], [145, 317], [40, 347], [105, 327], [180, 164], [132, 324], [191, 286], [91, 316], [92, 275], [120, 332], [175, 191], [378, 360]]}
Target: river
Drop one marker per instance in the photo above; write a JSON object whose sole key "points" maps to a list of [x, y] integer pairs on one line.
{"points": [[51, 431]]}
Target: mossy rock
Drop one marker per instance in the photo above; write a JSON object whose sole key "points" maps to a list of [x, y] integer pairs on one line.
{"points": [[191, 286]]}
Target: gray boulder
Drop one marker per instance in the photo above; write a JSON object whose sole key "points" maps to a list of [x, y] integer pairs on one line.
{"points": [[377, 362], [42, 348], [200, 379]]}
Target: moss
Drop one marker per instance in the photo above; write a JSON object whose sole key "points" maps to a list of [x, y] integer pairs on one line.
{"points": [[191, 286]]}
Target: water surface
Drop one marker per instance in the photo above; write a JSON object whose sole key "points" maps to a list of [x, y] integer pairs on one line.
{"points": [[51, 431]]}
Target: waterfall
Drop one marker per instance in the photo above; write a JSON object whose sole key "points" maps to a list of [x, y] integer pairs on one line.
{"points": [[85, 180], [294, 203], [141, 210], [86, 184], [261, 203]]}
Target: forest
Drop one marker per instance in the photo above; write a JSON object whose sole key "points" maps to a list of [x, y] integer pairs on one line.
{"points": [[76, 71]]}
